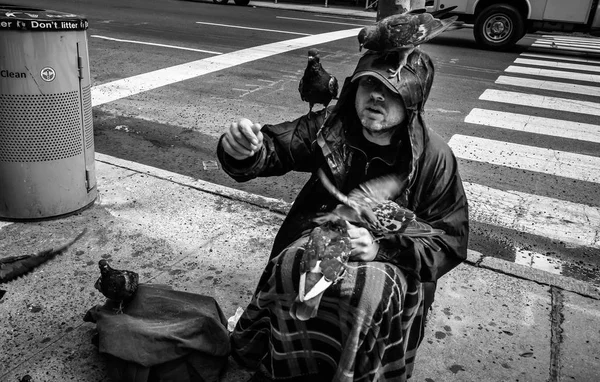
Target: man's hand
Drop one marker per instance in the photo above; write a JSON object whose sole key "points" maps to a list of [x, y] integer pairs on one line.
{"points": [[364, 247], [243, 139]]}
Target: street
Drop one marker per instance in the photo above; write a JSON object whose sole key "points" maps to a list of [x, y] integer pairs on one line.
{"points": [[523, 123]]}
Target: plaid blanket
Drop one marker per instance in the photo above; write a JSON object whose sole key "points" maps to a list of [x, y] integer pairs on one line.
{"points": [[368, 325]]}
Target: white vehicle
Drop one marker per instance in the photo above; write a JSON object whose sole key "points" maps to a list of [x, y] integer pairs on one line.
{"points": [[499, 24]]}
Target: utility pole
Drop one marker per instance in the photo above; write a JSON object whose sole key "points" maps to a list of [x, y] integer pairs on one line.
{"points": [[387, 8]]}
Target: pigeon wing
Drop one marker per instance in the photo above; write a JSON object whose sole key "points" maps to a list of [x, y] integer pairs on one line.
{"points": [[430, 27]]}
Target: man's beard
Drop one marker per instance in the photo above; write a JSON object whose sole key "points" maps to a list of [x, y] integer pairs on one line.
{"points": [[377, 128]]}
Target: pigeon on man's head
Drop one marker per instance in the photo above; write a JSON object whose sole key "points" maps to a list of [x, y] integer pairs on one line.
{"points": [[317, 85], [402, 33]]}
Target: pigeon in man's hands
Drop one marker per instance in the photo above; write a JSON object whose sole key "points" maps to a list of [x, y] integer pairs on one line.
{"points": [[369, 206], [323, 264]]}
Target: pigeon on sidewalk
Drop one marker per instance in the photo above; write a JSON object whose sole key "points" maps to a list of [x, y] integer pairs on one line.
{"points": [[116, 285]]}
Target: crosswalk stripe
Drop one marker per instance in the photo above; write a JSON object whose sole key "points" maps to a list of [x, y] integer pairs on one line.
{"points": [[572, 38], [535, 125], [532, 100], [538, 215], [554, 73], [538, 261], [555, 219], [129, 86], [567, 48], [559, 65], [563, 58], [529, 158], [549, 85], [576, 44]]}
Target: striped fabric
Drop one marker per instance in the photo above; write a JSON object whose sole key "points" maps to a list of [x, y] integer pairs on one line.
{"points": [[367, 329]]}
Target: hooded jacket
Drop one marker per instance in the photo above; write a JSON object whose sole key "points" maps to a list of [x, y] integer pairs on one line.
{"points": [[432, 184]]}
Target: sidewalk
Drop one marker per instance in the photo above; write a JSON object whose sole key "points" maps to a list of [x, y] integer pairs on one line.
{"points": [[492, 320]]}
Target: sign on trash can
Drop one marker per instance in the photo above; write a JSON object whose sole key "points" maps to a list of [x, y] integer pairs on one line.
{"points": [[46, 128]]}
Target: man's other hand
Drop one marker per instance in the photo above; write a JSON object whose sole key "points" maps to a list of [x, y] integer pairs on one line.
{"points": [[243, 139], [364, 247]]}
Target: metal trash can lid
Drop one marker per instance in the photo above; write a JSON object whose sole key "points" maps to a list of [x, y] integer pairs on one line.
{"points": [[39, 20]]}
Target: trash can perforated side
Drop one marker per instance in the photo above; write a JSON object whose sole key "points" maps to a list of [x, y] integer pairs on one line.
{"points": [[38, 128]]}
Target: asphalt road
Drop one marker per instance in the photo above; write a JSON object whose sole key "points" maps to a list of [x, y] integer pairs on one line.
{"points": [[176, 127]]}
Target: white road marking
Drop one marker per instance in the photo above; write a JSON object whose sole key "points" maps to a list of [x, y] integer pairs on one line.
{"points": [[529, 158], [573, 44], [556, 219], [538, 261], [572, 38], [563, 58], [559, 65], [554, 73], [550, 85], [250, 28], [126, 87], [532, 100], [535, 125], [155, 44], [567, 48], [447, 111], [347, 18], [319, 21]]}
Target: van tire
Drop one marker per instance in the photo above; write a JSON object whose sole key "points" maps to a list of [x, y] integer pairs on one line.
{"points": [[499, 27]]}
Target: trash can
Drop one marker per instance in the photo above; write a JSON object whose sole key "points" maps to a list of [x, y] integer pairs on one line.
{"points": [[46, 129]]}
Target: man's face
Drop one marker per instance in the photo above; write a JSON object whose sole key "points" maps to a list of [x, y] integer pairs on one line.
{"points": [[377, 107]]}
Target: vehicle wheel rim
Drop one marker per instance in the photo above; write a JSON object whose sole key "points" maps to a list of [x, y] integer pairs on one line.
{"points": [[498, 28]]}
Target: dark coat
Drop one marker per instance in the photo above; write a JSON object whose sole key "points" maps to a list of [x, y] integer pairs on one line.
{"points": [[433, 188]]}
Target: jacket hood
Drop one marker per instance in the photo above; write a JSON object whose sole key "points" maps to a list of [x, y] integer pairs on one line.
{"points": [[416, 79]]}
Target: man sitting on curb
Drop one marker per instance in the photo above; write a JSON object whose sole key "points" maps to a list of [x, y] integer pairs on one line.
{"points": [[370, 323]]}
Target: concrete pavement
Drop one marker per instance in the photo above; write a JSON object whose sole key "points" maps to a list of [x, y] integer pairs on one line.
{"points": [[492, 320]]}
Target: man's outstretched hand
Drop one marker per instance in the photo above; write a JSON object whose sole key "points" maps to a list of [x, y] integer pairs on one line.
{"points": [[243, 139]]}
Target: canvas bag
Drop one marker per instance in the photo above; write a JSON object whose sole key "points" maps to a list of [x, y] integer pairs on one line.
{"points": [[163, 335]]}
